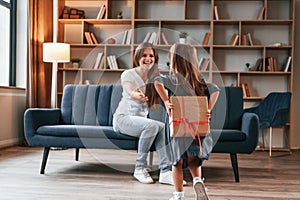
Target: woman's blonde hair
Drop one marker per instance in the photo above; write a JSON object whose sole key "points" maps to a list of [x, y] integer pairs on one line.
{"points": [[184, 63]]}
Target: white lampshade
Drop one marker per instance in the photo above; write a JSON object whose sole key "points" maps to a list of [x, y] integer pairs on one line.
{"points": [[56, 52]]}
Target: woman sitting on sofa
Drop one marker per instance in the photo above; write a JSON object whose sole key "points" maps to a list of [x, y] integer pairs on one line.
{"points": [[131, 119]]}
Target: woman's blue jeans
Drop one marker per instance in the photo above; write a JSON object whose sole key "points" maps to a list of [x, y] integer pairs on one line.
{"points": [[148, 131]]}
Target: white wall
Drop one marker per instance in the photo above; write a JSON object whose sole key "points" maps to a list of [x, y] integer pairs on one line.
{"points": [[12, 107]]}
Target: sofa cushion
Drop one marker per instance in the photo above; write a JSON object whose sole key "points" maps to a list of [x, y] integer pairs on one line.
{"points": [[84, 131], [86, 105], [116, 95]]}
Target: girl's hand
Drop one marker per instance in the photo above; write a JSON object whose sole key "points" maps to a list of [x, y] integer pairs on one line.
{"points": [[169, 107], [139, 95], [208, 114]]}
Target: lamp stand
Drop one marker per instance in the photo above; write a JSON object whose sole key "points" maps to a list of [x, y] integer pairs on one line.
{"points": [[54, 85]]}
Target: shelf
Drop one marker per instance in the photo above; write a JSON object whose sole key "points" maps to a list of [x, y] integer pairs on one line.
{"points": [[253, 22], [270, 36], [253, 98], [197, 18]]}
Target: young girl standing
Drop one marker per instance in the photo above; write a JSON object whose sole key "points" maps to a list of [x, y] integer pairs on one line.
{"points": [[186, 80], [131, 119]]}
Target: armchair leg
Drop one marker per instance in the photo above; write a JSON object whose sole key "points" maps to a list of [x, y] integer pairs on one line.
{"points": [[44, 161], [77, 154], [263, 136], [234, 163], [270, 148]]}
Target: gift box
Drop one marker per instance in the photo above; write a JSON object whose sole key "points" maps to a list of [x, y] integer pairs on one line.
{"points": [[189, 116]]}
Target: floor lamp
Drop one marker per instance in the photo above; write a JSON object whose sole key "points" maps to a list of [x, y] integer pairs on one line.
{"points": [[55, 53]]}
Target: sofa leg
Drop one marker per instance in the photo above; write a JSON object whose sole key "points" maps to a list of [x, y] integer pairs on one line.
{"points": [[77, 154], [151, 158], [44, 161], [234, 163]]}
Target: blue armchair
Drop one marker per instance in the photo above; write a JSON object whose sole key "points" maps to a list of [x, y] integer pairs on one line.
{"points": [[273, 111], [233, 130]]}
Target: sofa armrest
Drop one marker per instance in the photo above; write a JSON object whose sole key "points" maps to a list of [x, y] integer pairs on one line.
{"points": [[36, 117], [250, 126]]}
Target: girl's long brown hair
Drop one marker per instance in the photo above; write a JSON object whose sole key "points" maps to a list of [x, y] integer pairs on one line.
{"points": [[151, 93], [184, 63]]}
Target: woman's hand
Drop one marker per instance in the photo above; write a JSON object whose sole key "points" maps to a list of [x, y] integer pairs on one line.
{"points": [[139, 95]]}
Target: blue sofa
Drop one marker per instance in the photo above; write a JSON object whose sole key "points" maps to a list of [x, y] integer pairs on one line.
{"points": [[85, 121]]}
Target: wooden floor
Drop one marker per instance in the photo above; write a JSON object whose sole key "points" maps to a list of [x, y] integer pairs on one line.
{"points": [[107, 175]]}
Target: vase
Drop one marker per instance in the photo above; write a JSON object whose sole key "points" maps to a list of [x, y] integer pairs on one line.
{"points": [[111, 41], [75, 65], [182, 40]]}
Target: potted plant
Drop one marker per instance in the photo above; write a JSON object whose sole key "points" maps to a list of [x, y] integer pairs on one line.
{"points": [[75, 62], [248, 66], [182, 37], [120, 15]]}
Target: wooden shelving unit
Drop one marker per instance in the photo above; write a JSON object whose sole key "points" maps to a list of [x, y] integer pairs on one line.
{"points": [[196, 17]]}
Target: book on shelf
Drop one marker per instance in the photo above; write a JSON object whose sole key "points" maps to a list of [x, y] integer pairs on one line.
{"points": [[258, 65], [164, 38], [250, 39], [244, 40], [112, 62], [203, 64], [124, 37], [101, 12], [80, 12], [73, 11], [74, 16], [216, 13], [98, 61], [271, 64], [288, 64], [151, 38], [234, 39], [88, 37], [147, 37], [109, 62], [94, 39], [245, 89], [260, 13], [275, 64], [157, 40], [206, 39], [128, 36], [65, 16]]}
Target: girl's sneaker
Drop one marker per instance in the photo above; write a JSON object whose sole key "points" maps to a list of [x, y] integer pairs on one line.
{"points": [[199, 189], [177, 196]]}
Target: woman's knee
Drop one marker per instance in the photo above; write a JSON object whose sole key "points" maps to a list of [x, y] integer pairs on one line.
{"points": [[154, 126]]}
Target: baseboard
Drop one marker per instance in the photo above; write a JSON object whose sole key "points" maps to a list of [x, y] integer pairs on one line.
{"points": [[10, 142]]}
